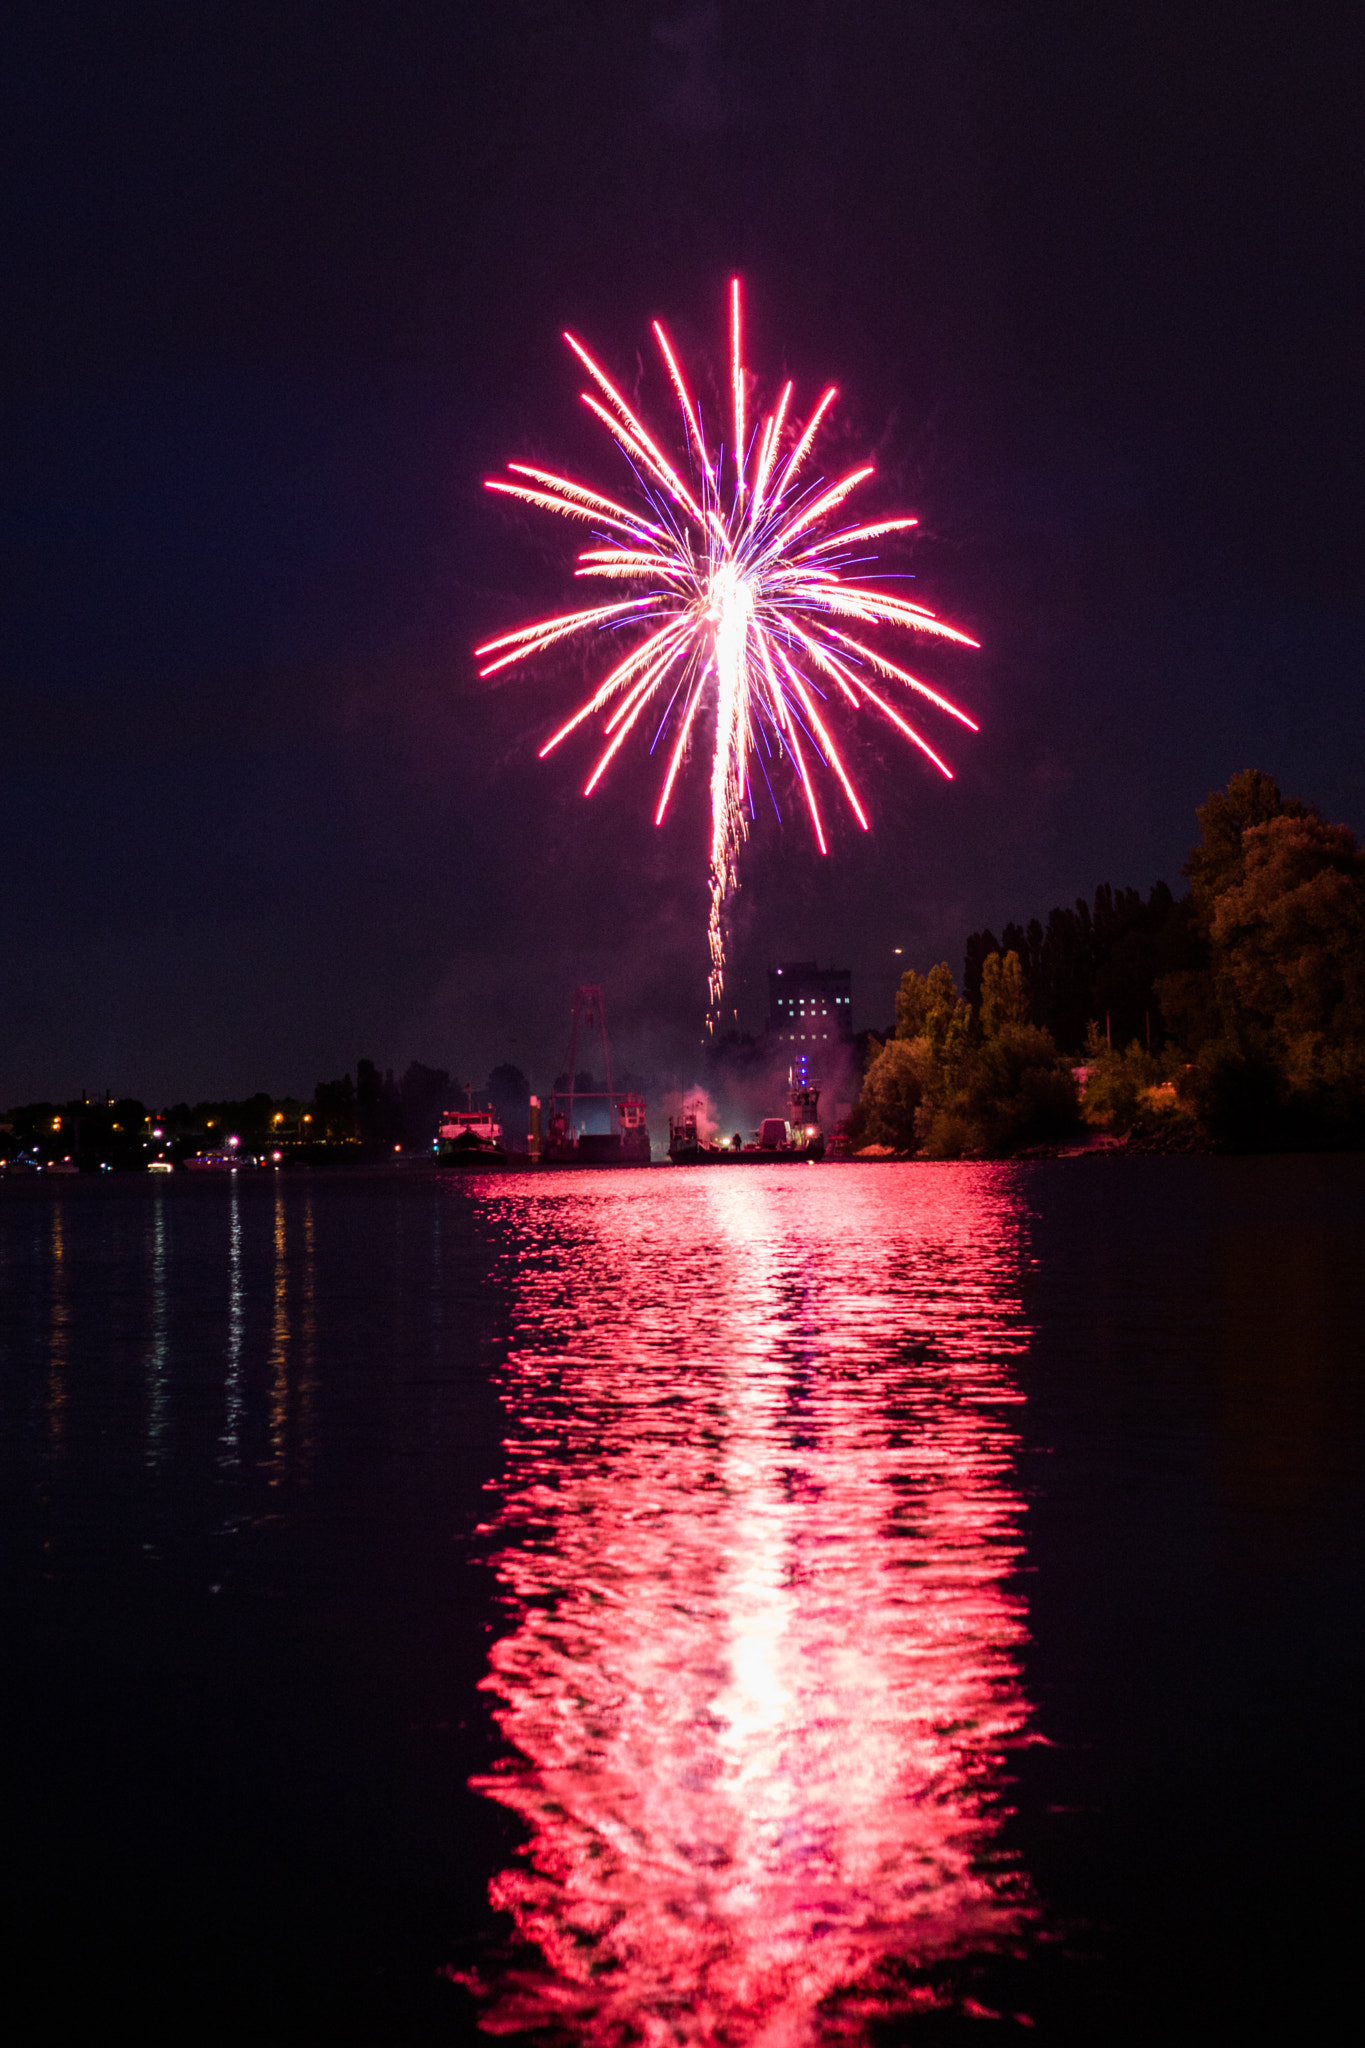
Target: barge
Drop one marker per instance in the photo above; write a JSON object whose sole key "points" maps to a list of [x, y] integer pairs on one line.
{"points": [[565, 1142]]}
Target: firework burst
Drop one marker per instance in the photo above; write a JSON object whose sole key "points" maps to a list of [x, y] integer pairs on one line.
{"points": [[741, 612]]}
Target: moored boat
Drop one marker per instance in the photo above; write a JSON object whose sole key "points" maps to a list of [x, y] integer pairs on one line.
{"points": [[627, 1145], [472, 1138], [565, 1142]]}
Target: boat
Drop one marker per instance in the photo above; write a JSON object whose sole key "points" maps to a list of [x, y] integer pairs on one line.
{"points": [[627, 1145], [565, 1143], [779, 1141], [472, 1138]]}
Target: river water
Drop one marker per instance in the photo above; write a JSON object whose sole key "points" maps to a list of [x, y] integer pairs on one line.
{"points": [[785, 1606]]}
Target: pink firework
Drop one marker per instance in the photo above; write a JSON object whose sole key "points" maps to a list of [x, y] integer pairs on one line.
{"points": [[744, 614]]}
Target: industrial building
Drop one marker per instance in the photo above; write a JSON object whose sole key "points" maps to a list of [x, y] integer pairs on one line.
{"points": [[809, 1006]]}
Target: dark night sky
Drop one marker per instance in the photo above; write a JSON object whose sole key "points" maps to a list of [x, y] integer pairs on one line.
{"points": [[284, 283]]}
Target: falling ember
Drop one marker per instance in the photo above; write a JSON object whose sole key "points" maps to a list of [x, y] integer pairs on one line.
{"points": [[743, 609]]}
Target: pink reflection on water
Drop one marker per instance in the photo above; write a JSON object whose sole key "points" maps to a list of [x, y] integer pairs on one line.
{"points": [[759, 1524]]}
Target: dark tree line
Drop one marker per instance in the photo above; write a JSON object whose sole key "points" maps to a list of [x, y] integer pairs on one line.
{"points": [[1098, 963], [374, 1109], [361, 1115]]}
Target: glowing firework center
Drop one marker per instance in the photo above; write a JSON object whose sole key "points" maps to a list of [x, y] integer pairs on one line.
{"points": [[746, 603], [732, 608]]}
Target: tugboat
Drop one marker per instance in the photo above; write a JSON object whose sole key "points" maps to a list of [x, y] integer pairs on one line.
{"points": [[778, 1141], [473, 1138], [564, 1144]]}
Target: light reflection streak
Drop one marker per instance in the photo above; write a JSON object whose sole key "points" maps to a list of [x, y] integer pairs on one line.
{"points": [[279, 1349], [308, 1338], [757, 1538], [157, 1346], [59, 1333], [233, 1397]]}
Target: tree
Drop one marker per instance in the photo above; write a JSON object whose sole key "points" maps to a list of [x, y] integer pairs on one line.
{"points": [[947, 1037], [892, 1092], [957, 1082], [379, 1111], [1128, 1090], [1004, 994], [980, 946], [334, 1118], [1218, 862], [912, 1000], [423, 1092], [1288, 929], [1276, 1021], [1019, 1091]]}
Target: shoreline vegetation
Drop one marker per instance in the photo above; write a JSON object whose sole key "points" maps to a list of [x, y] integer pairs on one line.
{"points": [[367, 1120], [1241, 1011], [1231, 1019]]}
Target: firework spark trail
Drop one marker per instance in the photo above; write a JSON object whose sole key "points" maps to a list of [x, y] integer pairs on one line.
{"points": [[739, 605]]}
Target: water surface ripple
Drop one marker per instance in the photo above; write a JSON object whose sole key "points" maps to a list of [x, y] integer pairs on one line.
{"points": [[759, 1535], [749, 1730]]}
